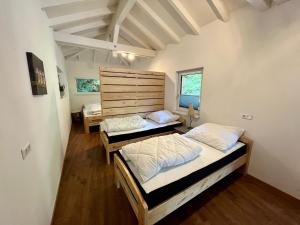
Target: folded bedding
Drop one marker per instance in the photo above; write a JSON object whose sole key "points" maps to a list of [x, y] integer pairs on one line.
{"points": [[123, 124], [151, 156], [92, 109]]}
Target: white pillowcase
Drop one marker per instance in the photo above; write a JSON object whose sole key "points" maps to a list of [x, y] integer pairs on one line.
{"points": [[163, 116], [216, 136]]}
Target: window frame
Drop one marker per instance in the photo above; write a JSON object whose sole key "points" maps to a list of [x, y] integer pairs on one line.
{"points": [[181, 73]]}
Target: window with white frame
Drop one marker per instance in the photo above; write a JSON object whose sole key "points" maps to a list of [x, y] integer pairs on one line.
{"points": [[190, 85]]}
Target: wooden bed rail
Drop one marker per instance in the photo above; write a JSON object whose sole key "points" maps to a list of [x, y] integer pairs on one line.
{"points": [[123, 177], [149, 217]]}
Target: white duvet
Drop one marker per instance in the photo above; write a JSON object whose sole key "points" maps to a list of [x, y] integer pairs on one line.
{"points": [[152, 155], [123, 124]]}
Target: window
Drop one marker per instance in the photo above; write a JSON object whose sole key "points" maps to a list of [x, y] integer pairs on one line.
{"points": [[190, 84]]}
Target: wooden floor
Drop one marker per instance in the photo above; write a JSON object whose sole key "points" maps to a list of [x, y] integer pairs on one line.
{"points": [[87, 195]]}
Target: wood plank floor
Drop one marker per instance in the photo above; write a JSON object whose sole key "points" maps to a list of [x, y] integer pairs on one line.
{"points": [[88, 196]]}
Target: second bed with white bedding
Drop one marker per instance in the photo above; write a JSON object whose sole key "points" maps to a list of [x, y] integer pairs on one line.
{"points": [[150, 128], [173, 180]]}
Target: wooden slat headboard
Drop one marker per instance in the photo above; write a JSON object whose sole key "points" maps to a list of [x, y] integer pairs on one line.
{"points": [[126, 92]]}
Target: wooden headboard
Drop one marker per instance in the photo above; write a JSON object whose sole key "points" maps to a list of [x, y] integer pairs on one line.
{"points": [[126, 92]]}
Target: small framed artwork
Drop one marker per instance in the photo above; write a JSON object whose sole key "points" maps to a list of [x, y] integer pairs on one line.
{"points": [[87, 86], [37, 74], [61, 83]]}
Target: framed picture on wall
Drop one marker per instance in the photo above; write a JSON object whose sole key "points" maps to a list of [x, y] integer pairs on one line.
{"points": [[37, 74], [87, 86]]}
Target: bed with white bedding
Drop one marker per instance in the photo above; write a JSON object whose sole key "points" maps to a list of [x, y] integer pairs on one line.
{"points": [[91, 116], [115, 136], [173, 186]]}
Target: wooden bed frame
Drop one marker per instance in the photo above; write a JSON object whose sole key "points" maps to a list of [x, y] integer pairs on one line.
{"points": [[149, 217], [127, 92], [92, 120]]}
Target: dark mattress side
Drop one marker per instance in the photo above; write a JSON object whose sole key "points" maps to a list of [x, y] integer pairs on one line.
{"points": [[124, 137], [161, 194]]}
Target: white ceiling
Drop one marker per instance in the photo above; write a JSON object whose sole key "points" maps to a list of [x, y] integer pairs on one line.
{"points": [[149, 24]]}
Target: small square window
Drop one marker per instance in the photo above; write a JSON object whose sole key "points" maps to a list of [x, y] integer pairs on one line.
{"points": [[190, 84]]}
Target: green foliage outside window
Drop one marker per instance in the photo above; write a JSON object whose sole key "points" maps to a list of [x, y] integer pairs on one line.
{"points": [[191, 84]]}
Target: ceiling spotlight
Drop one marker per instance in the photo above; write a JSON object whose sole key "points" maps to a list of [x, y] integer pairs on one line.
{"points": [[115, 54], [131, 57], [124, 54]]}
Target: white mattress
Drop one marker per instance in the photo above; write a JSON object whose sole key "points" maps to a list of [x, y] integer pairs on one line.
{"points": [[150, 125], [208, 156]]}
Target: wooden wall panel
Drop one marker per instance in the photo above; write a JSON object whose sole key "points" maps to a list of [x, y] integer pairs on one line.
{"points": [[131, 81], [120, 96], [127, 103], [126, 92], [131, 110], [129, 71], [130, 88], [134, 75]]}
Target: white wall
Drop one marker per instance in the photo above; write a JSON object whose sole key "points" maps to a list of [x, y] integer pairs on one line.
{"points": [[85, 69], [28, 188], [251, 65], [81, 70]]}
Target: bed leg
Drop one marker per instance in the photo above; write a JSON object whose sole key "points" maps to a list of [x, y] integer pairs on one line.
{"points": [[107, 157], [86, 126], [243, 169], [142, 215]]}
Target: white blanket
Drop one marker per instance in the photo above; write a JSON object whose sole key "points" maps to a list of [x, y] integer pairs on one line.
{"points": [[152, 155], [123, 124]]}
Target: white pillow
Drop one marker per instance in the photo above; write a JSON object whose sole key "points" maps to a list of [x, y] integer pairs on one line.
{"points": [[216, 136], [163, 116]]}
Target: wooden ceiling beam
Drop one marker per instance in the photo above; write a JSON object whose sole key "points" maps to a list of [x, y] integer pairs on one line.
{"points": [[92, 34], [158, 20], [83, 27], [260, 4], [279, 1], [158, 44], [185, 16], [53, 3], [123, 10], [134, 37], [70, 51], [55, 21], [89, 43], [219, 9]]}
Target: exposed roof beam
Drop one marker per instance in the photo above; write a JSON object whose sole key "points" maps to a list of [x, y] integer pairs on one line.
{"points": [[75, 54], [185, 15], [52, 3], [158, 44], [70, 51], [116, 34], [159, 21], [279, 1], [134, 37], [260, 4], [220, 10], [79, 16], [89, 43], [92, 34], [87, 26], [94, 56], [123, 10]]}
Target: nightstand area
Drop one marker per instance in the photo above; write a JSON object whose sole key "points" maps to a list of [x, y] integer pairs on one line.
{"points": [[182, 129]]}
